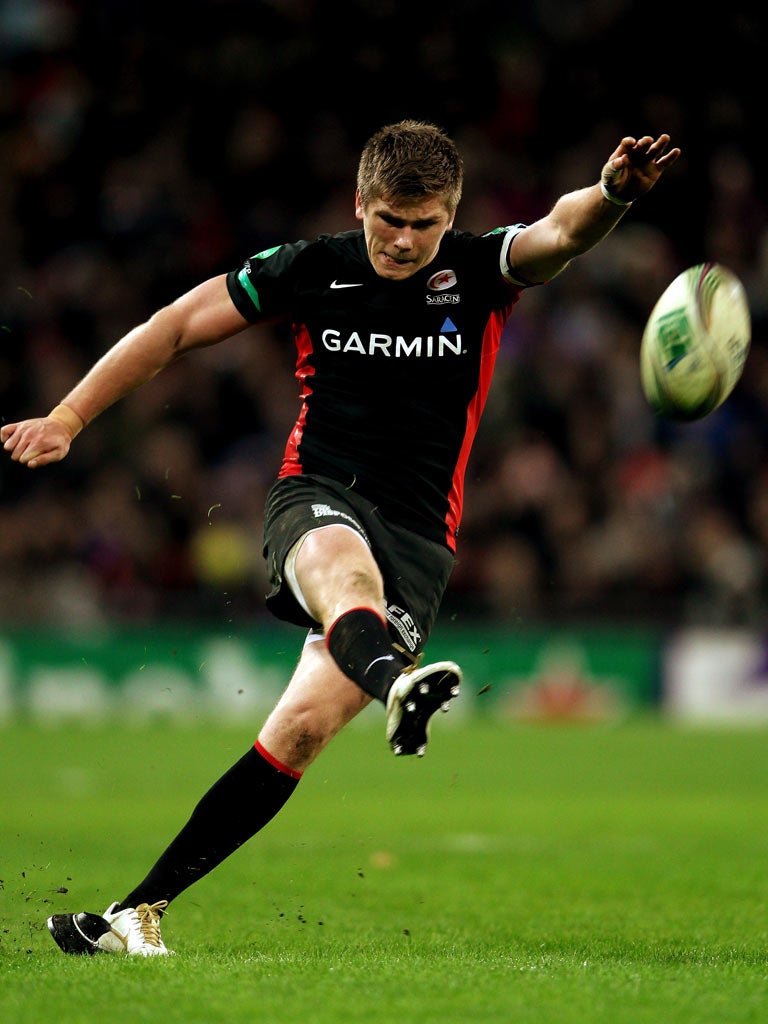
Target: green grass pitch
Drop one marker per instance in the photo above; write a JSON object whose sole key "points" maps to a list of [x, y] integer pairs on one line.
{"points": [[573, 874]]}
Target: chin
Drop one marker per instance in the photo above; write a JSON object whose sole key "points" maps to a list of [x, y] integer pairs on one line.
{"points": [[395, 271]]}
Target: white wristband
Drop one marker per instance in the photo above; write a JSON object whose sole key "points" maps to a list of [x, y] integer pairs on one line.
{"points": [[612, 198]]}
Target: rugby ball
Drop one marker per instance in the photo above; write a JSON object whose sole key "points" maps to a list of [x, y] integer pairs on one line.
{"points": [[695, 342]]}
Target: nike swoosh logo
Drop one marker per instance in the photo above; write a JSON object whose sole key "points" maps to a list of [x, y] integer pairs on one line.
{"points": [[339, 284]]}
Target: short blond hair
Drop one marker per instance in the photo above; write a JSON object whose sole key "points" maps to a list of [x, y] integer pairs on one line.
{"points": [[409, 161]]}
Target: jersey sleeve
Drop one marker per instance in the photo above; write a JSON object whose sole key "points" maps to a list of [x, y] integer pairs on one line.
{"points": [[509, 233], [262, 289]]}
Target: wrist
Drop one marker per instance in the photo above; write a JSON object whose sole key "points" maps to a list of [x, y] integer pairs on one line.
{"points": [[68, 418], [612, 198]]}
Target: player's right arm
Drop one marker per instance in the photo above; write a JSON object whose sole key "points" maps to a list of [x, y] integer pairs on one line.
{"points": [[581, 219], [203, 316]]}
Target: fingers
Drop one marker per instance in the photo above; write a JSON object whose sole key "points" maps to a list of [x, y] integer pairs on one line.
{"points": [[34, 459], [22, 450], [30, 444], [656, 149], [669, 158], [621, 150], [634, 150], [636, 164], [645, 148], [9, 436]]}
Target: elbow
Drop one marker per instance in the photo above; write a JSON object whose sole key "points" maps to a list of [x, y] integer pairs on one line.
{"points": [[168, 328]]}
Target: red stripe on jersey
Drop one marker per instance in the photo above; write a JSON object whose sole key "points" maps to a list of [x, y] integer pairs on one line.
{"points": [[491, 338], [305, 371]]}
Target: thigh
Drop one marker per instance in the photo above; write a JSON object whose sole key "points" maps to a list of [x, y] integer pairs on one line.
{"points": [[317, 703], [296, 506], [415, 570], [334, 570]]}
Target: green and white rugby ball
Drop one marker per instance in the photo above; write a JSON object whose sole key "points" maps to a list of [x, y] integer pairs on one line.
{"points": [[695, 342]]}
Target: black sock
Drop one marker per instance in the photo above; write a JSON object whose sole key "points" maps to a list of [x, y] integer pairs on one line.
{"points": [[232, 811], [360, 645]]}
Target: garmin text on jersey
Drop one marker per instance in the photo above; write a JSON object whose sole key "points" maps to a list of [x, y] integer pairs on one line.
{"points": [[397, 346]]}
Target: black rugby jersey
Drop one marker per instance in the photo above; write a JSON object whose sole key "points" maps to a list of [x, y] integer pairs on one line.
{"points": [[393, 375]]}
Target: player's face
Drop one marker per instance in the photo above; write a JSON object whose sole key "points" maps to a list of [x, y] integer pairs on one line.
{"points": [[401, 238]]}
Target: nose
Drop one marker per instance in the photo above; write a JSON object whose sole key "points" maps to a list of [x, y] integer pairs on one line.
{"points": [[404, 239]]}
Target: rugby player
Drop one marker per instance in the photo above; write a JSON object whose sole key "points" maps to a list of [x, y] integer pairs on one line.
{"points": [[396, 328]]}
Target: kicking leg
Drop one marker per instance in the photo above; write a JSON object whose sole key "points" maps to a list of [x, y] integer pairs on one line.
{"points": [[335, 577]]}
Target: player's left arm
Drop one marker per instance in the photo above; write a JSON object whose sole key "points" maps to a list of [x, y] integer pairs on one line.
{"points": [[579, 220]]}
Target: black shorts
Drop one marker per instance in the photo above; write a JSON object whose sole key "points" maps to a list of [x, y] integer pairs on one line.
{"points": [[415, 570]]}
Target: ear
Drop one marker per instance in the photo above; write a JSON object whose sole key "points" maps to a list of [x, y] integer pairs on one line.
{"points": [[358, 205]]}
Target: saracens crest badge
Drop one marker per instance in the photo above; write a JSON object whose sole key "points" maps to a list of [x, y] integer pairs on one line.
{"points": [[442, 281]]}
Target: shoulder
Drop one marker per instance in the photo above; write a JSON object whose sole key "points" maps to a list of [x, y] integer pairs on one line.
{"points": [[495, 240], [291, 258], [269, 284], [486, 253]]}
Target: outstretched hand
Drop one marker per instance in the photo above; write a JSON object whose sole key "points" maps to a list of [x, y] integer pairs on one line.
{"points": [[636, 165], [36, 442]]}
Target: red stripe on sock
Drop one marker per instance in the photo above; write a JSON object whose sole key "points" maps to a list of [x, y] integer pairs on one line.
{"points": [[357, 608], [294, 774]]}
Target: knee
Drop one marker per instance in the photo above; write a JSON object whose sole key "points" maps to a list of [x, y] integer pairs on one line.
{"points": [[303, 746], [299, 732]]}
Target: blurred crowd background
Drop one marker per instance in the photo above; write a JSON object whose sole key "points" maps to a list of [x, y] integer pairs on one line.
{"points": [[145, 147]]}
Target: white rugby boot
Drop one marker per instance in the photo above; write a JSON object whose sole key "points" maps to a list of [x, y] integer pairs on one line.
{"points": [[415, 696], [135, 931], [132, 931]]}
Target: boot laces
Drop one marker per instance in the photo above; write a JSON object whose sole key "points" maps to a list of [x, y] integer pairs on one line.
{"points": [[415, 661], [149, 921]]}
